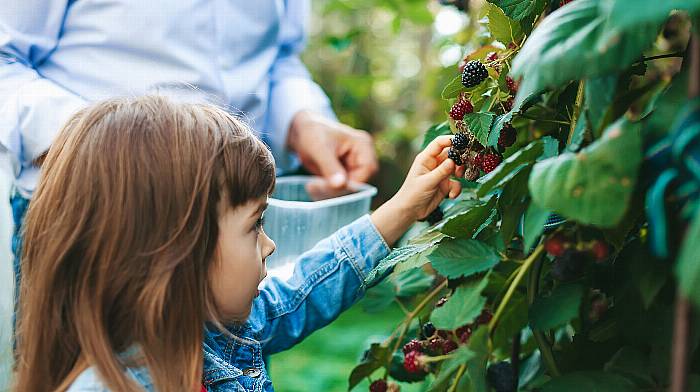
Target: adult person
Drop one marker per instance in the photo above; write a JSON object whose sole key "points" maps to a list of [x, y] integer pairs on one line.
{"points": [[56, 56]]}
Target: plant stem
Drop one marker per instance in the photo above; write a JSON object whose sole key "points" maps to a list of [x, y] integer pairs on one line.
{"points": [[458, 377], [577, 110], [543, 120], [511, 289], [542, 343], [662, 56], [410, 316]]}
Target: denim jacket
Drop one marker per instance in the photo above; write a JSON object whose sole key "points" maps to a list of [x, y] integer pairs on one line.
{"points": [[327, 280]]}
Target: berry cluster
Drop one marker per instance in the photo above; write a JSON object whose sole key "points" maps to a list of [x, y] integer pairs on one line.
{"points": [[436, 342], [571, 256], [467, 151]]}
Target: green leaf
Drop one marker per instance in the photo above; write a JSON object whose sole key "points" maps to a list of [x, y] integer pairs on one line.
{"points": [[560, 307], [533, 224], [513, 319], [632, 363], [645, 11], [520, 9], [599, 94], [595, 185], [400, 255], [480, 125], [476, 367], [510, 166], [589, 381], [503, 28], [453, 88], [449, 368], [377, 356], [462, 257], [464, 305], [688, 265], [576, 42], [466, 224], [513, 202], [435, 131]]}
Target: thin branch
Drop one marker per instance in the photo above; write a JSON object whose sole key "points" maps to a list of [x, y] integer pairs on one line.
{"points": [[661, 56], [533, 288]]}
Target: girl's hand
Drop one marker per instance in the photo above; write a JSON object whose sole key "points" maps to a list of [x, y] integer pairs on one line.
{"points": [[427, 184]]}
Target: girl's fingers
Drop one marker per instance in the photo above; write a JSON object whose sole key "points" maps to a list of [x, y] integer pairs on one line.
{"points": [[436, 146], [455, 188]]}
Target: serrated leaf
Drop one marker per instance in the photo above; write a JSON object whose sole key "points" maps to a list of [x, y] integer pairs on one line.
{"points": [[595, 185], [503, 28], [399, 255], [453, 88], [533, 224], [480, 125], [435, 131], [510, 166], [577, 42], [466, 224], [462, 257], [560, 307], [464, 305], [476, 367], [589, 381]]}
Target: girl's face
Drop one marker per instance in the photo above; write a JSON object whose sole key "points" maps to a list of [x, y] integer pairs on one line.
{"points": [[242, 248]]}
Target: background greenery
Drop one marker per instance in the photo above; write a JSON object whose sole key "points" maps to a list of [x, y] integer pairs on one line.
{"points": [[383, 64]]}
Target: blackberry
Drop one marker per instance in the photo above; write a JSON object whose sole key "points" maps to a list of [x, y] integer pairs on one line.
{"points": [[485, 317], [508, 104], [474, 73], [471, 173], [512, 85], [411, 362], [434, 217], [502, 377], [508, 135], [569, 266], [460, 141], [600, 251], [460, 108], [555, 245], [378, 386], [428, 329], [435, 345], [490, 162], [413, 345], [455, 155], [448, 346]]}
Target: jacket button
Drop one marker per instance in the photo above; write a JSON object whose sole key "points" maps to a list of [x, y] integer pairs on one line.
{"points": [[251, 372]]}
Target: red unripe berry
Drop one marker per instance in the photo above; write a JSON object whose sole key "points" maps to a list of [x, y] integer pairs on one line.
{"points": [[555, 245]]}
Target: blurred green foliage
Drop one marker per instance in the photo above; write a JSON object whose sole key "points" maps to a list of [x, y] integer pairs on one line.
{"points": [[383, 64]]}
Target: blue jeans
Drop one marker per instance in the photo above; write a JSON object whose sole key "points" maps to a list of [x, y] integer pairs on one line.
{"points": [[19, 210]]}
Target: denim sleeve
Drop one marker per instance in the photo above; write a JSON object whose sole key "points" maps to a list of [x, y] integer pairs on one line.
{"points": [[327, 280]]}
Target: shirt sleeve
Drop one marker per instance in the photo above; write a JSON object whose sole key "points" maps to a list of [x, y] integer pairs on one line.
{"points": [[291, 87], [327, 280], [32, 108]]}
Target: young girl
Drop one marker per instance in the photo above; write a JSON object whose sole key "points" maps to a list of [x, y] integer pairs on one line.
{"points": [[144, 251]]}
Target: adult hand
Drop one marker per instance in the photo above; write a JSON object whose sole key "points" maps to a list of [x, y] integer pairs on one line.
{"points": [[332, 150]]}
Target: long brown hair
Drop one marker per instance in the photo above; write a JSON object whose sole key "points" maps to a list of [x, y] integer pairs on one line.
{"points": [[120, 236]]}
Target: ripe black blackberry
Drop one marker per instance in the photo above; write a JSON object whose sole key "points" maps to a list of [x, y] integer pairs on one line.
{"points": [[460, 141], [455, 155], [474, 73], [508, 136], [428, 329]]}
